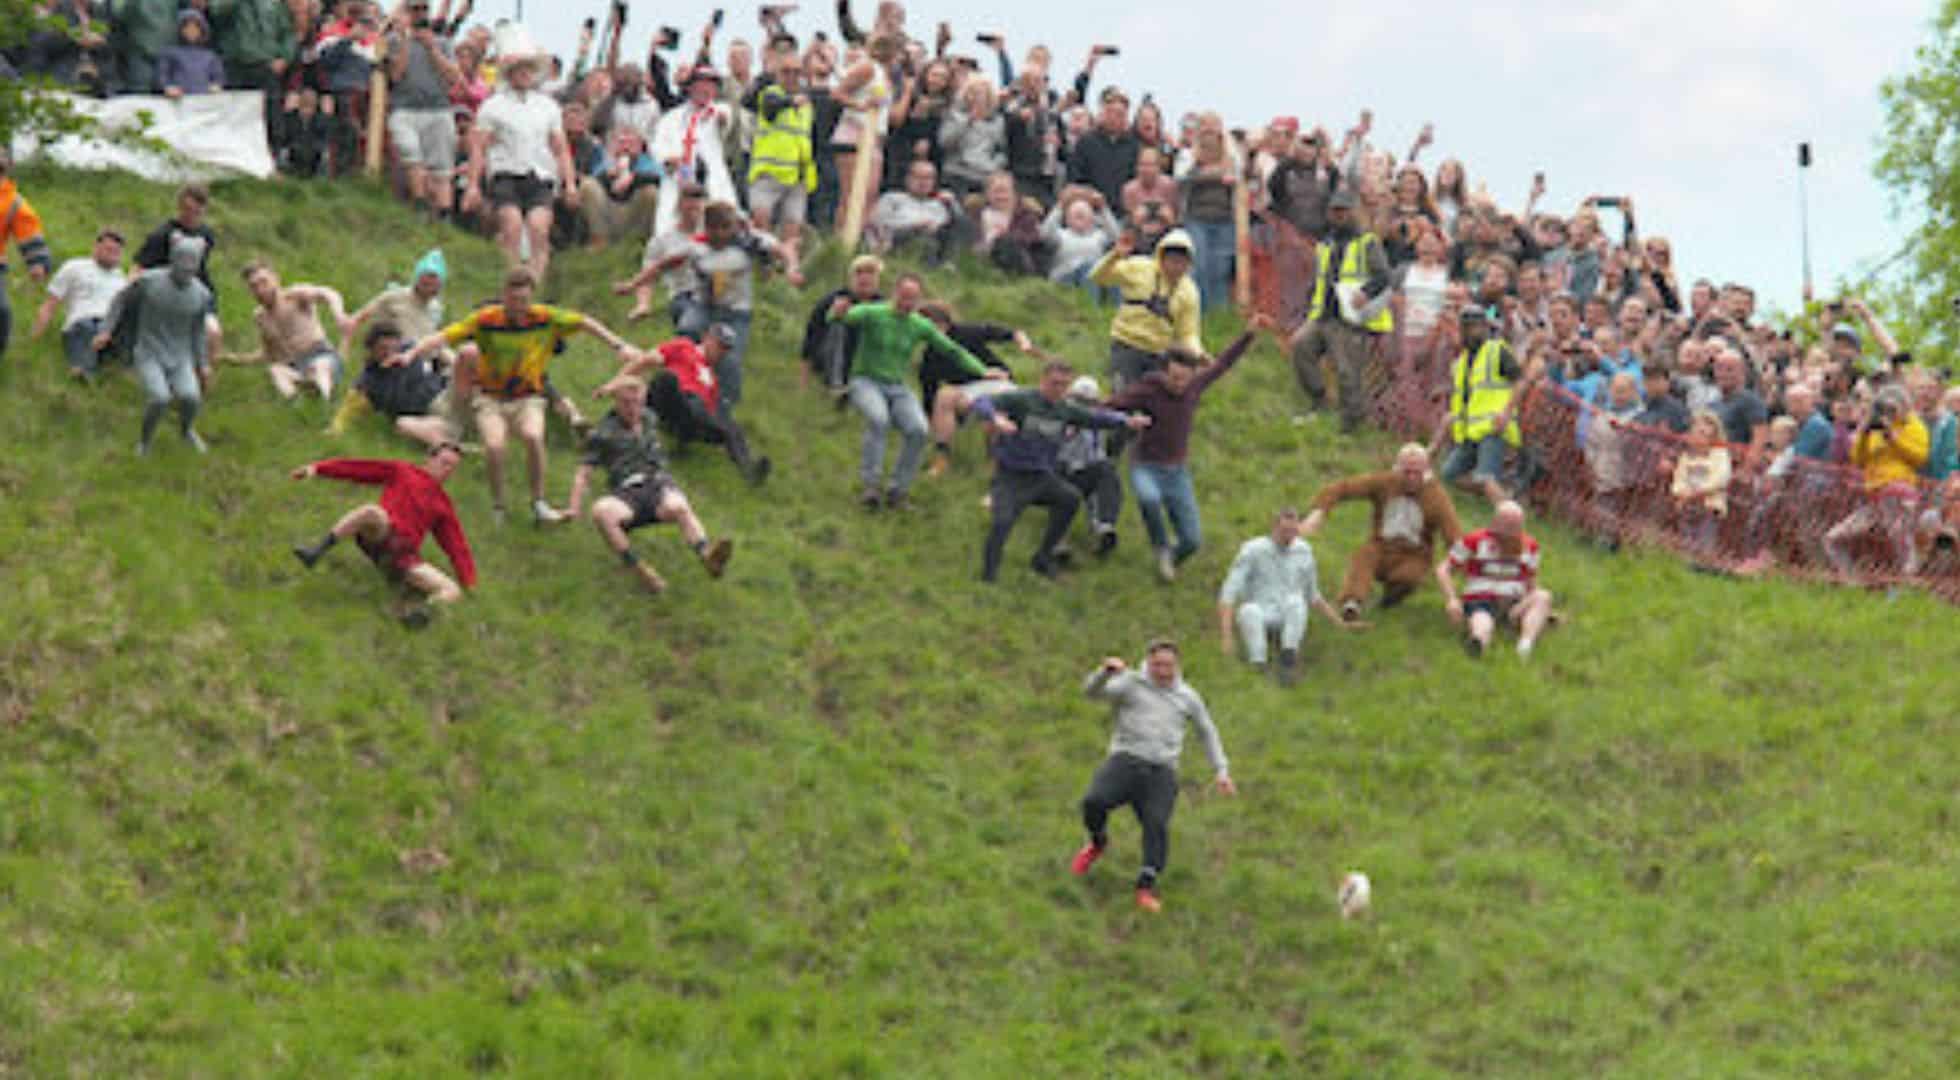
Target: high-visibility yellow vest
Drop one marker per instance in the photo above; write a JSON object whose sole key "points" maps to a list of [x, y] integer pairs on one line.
{"points": [[1478, 392], [1354, 271], [782, 146]]}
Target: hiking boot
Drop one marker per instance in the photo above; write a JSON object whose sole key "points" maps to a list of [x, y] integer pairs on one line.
{"points": [[1085, 858], [1289, 667], [1105, 543], [1046, 567], [1166, 566], [715, 556], [870, 499], [758, 471], [1147, 900]]}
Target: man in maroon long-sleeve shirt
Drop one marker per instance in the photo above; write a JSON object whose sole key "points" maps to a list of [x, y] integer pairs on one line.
{"points": [[1158, 475], [412, 505]]}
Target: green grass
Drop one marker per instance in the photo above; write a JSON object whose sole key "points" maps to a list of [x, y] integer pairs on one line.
{"points": [[812, 820]]}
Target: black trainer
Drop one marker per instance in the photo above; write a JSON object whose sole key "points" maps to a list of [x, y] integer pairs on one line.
{"points": [[1289, 666]]}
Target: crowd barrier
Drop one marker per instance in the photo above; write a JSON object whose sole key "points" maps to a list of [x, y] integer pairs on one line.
{"points": [[1612, 480]]}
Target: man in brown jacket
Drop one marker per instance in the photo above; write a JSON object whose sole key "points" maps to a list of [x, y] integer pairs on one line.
{"points": [[1410, 510]]}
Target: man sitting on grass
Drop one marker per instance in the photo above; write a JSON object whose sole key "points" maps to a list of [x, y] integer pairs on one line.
{"points": [[1500, 565], [294, 349], [390, 531], [643, 492]]}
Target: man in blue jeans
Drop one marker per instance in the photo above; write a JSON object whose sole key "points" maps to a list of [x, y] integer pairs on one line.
{"points": [[889, 336], [1159, 476]]}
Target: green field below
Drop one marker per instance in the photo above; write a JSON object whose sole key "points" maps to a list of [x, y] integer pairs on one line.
{"points": [[814, 819]]}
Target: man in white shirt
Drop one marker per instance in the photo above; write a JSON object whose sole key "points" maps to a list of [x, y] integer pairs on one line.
{"points": [[86, 287], [521, 164], [688, 143], [1272, 583], [922, 210]]}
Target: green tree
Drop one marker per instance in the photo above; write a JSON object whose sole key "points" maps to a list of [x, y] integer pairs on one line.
{"points": [[1919, 161], [25, 106]]}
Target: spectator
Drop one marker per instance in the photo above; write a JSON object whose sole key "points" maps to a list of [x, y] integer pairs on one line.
{"points": [[689, 145], [1412, 205], [1106, 157], [308, 134], [1943, 457], [390, 531], [642, 491], [140, 31], [1890, 446], [521, 164], [1701, 483], [916, 119], [421, 122], [1740, 409], [1157, 308], [1348, 313], [86, 287], [629, 106], [865, 92], [973, 140], [1482, 422], [1500, 565], [1080, 230], [922, 212], [1205, 206], [1452, 196], [1422, 285], [69, 52], [470, 90], [1159, 474], [1151, 184], [889, 335], [783, 167], [1272, 583], [257, 41], [191, 66], [589, 156], [619, 203], [1663, 408], [1029, 428], [1033, 137], [1410, 510], [166, 312], [1301, 185], [1141, 770]]}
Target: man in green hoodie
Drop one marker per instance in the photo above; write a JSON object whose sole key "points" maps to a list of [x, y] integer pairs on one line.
{"points": [[140, 30], [258, 44], [889, 336]]}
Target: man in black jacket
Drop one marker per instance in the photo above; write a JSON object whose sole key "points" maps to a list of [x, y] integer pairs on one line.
{"points": [[1106, 158], [828, 345]]}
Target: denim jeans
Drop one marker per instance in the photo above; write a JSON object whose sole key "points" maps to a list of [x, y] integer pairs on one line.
{"points": [[1217, 246], [1167, 488], [884, 406]]}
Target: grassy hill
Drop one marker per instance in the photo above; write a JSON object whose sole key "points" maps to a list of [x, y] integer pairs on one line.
{"points": [[813, 819]]}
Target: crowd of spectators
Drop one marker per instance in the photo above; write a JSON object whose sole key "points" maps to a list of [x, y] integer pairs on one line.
{"points": [[1016, 160]]}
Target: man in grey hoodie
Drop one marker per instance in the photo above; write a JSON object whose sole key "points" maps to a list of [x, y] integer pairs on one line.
{"points": [[1151, 710], [167, 338]]}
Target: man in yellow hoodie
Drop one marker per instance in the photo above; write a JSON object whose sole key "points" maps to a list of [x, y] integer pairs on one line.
{"points": [[21, 226], [1158, 307], [1891, 446]]}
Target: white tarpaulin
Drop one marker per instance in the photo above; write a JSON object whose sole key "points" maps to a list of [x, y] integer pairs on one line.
{"points": [[215, 135]]}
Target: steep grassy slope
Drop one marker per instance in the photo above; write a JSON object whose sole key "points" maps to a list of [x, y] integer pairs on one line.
{"points": [[813, 819]]}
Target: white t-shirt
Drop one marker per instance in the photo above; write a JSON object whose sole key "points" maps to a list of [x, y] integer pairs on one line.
{"points": [[1422, 293], [85, 290], [520, 127]]}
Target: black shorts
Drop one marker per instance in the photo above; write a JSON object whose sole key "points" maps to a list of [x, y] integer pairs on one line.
{"points": [[643, 498], [522, 190]]}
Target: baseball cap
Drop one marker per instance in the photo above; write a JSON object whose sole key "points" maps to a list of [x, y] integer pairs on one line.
{"points": [[723, 333], [1343, 200]]}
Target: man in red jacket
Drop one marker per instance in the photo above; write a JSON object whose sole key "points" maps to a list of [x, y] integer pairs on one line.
{"points": [[412, 505], [687, 399]]}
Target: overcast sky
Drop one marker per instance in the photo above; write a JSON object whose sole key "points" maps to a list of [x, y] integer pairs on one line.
{"points": [[1694, 108]]}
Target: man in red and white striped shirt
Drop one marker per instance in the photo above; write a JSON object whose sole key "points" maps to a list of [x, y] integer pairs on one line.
{"points": [[1500, 567]]}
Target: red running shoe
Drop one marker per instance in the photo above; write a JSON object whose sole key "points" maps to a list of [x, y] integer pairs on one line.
{"points": [[1084, 859], [1147, 900]]}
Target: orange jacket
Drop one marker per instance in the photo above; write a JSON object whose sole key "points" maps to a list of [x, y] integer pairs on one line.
{"points": [[23, 227]]}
